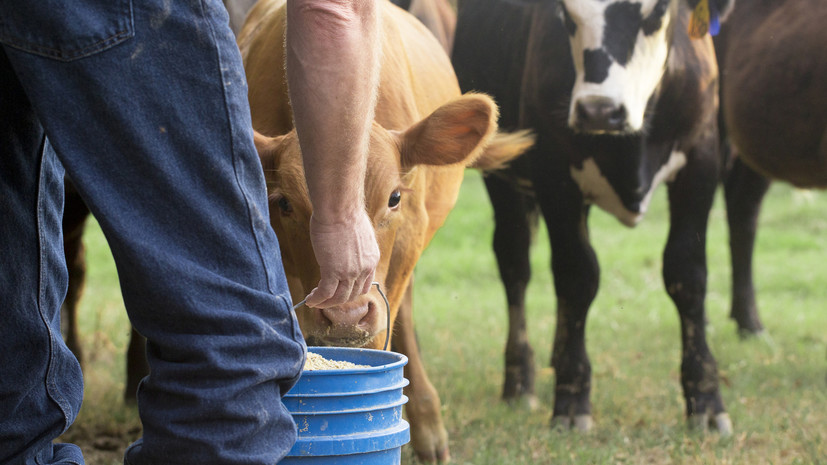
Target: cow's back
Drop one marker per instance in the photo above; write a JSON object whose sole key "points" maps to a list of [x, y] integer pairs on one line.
{"points": [[261, 41], [438, 17], [416, 76]]}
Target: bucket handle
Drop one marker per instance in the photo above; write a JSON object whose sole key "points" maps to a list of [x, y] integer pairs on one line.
{"points": [[387, 307]]}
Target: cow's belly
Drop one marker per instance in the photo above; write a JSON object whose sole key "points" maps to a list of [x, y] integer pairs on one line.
{"points": [[597, 190]]}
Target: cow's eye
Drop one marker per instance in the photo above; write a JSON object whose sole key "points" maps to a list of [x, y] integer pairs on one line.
{"points": [[394, 200], [284, 205]]}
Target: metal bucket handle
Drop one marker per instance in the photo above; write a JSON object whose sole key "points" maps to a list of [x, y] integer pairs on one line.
{"points": [[387, 307]]}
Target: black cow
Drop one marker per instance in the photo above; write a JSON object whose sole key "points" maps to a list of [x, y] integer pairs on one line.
{"points": [[773, 63], [621, 99]]}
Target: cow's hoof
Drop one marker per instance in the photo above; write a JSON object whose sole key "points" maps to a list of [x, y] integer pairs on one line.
{"points": [[582, 423], [431, 447], [746, 318], [719, 422], [528, 401], [443, 456], [749, 333]]}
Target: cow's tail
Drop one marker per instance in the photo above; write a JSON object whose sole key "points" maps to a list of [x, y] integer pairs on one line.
{"points": [[502, 148]]}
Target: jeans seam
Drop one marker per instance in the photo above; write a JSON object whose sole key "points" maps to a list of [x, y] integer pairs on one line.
{"points": [[233, 150], [51, 385]]}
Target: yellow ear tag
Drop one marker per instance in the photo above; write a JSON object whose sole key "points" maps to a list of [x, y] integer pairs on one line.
{"points": [[699, 22]]}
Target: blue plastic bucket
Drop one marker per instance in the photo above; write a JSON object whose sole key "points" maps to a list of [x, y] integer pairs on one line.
{"points": [[350, 416]]}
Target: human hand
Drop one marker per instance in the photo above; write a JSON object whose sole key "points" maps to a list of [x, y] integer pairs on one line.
{"points": [[347, 254]]}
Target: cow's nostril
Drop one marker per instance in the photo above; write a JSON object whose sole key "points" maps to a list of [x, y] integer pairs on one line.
{"points": [[617, 118], [367, 320], [583, 112]]}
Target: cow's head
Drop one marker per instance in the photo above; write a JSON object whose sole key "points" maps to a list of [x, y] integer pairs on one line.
{"points": [[620, 50], [395, 196]]}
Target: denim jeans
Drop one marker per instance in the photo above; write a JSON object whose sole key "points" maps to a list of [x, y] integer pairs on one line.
{"points": [[144, 103]]}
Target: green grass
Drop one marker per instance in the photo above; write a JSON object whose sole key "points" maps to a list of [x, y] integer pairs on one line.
{"points": [[774, 387]]}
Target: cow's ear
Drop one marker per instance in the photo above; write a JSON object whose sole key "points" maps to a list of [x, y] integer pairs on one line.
{"points": [[456, 132], [268, 149]]}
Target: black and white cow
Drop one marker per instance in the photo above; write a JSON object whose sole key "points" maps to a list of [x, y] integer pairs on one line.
{"points": [[773, 63], [621, 99]]}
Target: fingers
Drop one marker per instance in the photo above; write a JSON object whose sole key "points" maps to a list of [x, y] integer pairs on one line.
{"points": [[329, 293], [332, 293]]}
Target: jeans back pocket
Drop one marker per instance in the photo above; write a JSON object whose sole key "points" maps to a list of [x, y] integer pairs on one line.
{"points": [[65, 30]]}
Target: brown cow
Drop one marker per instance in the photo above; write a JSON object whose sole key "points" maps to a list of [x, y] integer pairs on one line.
{"points": [[773, 64], [424, 135]]}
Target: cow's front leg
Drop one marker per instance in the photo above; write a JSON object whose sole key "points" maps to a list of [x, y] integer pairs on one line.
{"points": [[745, 190], [75, 213], [576, 276], [684, 274], [137, 367], [429, 438], [515, 219]]}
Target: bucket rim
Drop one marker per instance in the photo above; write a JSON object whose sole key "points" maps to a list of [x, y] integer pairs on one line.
{"points": [[403, 383]]}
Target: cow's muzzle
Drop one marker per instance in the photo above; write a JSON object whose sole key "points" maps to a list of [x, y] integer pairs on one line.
{"points": [[348, 326], [599, 115]]}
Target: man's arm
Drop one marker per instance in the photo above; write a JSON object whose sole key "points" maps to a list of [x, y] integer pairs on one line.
{"points": [[333, 53]]}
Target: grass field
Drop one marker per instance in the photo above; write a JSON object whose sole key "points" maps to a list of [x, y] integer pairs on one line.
{"points": [[774, 387]]}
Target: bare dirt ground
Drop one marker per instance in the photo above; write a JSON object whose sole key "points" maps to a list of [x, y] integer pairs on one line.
{"points": [[103, 441]]}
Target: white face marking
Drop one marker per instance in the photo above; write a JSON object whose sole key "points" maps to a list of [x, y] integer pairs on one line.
{"points": [[597, 190], [628, 86]]}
